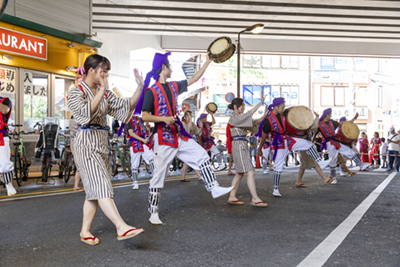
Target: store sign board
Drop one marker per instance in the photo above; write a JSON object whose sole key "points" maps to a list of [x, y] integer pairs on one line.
{"points": [[23, 44], [7, 80], [348, 112]]}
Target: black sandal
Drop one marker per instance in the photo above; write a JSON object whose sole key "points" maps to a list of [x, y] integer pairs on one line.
{"points": [[186, 180]]}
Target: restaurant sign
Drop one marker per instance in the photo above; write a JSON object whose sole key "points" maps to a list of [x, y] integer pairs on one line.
{"points": [[23, 44]]}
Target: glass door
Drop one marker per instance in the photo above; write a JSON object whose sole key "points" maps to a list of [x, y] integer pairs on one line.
{"points": [[62, 85]]}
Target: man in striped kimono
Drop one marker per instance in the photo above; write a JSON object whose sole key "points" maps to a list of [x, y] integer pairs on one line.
{"points": [[6, 166], [159, 104], [141, 146]]}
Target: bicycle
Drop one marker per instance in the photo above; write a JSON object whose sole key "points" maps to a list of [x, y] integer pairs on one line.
{"points": [[67, 164], [121, 155], [21, 162], [46, 143]]}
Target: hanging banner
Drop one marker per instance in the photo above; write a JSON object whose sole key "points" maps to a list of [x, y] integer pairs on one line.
{"points": [[23, 44], [7, 79]]}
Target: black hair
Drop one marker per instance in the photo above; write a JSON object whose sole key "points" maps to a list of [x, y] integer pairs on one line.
{"points": [[95, 61], [383, 139], [185, 114], [236, 102]]}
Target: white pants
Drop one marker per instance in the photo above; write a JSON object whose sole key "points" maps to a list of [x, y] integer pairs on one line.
{"points": [[265, 152], [300, 145], [333, 153], [147, 155], [6, 164], [188, 151]]}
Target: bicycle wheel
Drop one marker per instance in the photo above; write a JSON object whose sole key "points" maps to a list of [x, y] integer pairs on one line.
{"points": [[67, 172], [62, 163], [127, 164], [17, 169], [114, 169], [46, 169], [214, 163]]}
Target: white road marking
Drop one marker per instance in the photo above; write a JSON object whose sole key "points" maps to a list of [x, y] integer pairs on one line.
{"points": [[324, 250]]}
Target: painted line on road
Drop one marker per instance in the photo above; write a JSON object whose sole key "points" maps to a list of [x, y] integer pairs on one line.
{"points": [[70, 190], [324, 250]]}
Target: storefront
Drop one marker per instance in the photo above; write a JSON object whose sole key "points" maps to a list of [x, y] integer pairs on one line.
{"points": [[37, 69]]}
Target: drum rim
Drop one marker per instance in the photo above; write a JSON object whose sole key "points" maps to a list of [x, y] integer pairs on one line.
{"points": [[227, 52], [303, 129], [223, 52], [213, 103]]}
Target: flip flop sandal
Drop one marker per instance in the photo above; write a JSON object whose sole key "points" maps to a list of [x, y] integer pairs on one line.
{"points": [[352, 174], [186, 180], [236, 202], [260, 204], [126, 236], [85, 240], [301, 185], [330, 180]]}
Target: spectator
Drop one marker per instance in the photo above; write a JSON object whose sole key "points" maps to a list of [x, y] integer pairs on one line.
{"points": [[363, 141], [375, 145], [393, 149], [384, 153], [253, 146]]}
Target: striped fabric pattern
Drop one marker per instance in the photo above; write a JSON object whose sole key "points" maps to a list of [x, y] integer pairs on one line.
{"points": [[7, 177], [92, 154], [241, 123]]}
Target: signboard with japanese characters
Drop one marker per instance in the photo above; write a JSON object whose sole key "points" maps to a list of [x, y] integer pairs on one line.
{"points": [[7, 79], [31, 89]]}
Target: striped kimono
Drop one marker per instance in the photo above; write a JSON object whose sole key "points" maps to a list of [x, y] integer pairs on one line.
{"points": [[242, 123], [91, 147]]}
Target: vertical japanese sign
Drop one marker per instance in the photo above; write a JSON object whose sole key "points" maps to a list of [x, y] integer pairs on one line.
{"points": [[256, 94], [267, 94], [7, 79], [31, 89], [248, 94]]}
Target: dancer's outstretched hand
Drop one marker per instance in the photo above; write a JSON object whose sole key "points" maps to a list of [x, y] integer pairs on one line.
{"points": [[138, 77]]}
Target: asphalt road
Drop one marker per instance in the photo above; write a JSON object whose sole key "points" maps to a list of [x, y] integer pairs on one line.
{"points": [[201, 231]]}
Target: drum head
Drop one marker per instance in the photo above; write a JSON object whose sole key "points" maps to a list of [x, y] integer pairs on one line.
{"points": [[212, 107], [219, 46], [300, 118], [350, 130]]}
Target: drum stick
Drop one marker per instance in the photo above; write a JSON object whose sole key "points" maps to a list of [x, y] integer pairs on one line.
{"points": [[175, 116], [267, 160]]}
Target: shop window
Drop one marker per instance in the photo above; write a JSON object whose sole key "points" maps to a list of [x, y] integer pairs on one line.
{"points": [[35, 98], [252, 61], [8, 89], [360, 97], [343, 63], [266, 61], [327, 96], [339, 96], [275, 62], [326, 63], [62, 87]]}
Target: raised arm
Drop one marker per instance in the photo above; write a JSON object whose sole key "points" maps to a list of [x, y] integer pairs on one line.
{"points": [[200, 72], [139, 80]]}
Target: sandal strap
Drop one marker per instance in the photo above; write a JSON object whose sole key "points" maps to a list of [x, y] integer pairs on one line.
{"points": [[89, 238], [133, 229]]}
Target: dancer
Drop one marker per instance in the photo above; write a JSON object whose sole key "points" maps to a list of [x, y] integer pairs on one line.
{"points": [[283, 143], [160, 104], [193, 130], [266, 149], [6, 165], [205, 139], [73, 129], [327, 127], [90, 105], [229, 148], [306, 162], [140, 146], [242, 122]]}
